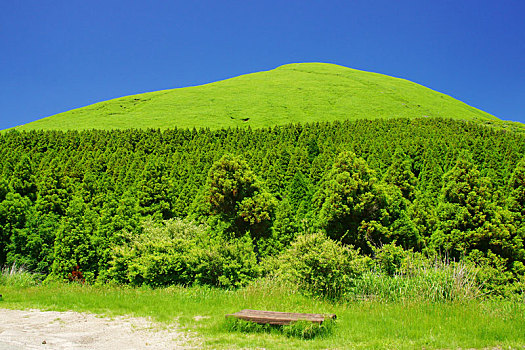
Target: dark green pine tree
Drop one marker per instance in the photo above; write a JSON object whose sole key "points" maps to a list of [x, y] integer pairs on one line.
{"points": [[118, 217], [517, 201], [153, 190], [399, 174], [299, 194], [350, 206], [517, 189], [74, 248], [312, 148], [13, 212], [234, 193], [4, 188], [52, 195], [23, 179], [469, 221]]}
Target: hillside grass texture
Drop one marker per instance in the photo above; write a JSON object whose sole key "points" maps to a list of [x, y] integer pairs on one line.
{"points": [[293, 93]]}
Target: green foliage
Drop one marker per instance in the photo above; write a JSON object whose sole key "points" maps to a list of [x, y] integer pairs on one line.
{"points": [[230, 180], [400, 175], [320, 266], [23, 180], [52, 196], [237, 325], [73, 244], [181, 252], [153, 190], [226, 263], [283, 182], [13, 214], [285, 225], [470, 220], [155, 256], [33, 245], [390, 258], [308, 330], [353, 207], [517, 188], [398, 274], [234, 193]]}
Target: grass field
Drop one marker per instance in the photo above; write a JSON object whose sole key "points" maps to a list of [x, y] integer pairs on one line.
{"points": [[302, 92], [364, 324]]}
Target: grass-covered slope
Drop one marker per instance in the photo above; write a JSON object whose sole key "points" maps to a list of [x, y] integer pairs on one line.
{"points": [[302, 92]]}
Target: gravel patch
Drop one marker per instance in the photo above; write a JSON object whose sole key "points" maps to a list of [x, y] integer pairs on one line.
{"points": [[35, 329]]}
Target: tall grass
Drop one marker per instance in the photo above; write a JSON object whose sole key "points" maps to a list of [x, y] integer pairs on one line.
{"points": [[18, 276], [441, 281]]}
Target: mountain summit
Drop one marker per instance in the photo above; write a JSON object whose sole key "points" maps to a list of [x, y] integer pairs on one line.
{"points": [[293, 93]]}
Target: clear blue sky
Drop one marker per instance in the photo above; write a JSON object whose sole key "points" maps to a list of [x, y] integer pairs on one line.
{"points": [[59, 55]]}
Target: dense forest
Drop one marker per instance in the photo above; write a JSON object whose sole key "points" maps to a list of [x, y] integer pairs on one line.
{"points": [[212, 206]]}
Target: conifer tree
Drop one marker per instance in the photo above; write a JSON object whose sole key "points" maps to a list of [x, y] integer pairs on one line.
{"points": [[153, 190], [74, 249], [13, 213], [52, 196], [23, 180], [400, 175], [517, 188], [469, 221], [32, 245], [234, 193], [350, 207]]}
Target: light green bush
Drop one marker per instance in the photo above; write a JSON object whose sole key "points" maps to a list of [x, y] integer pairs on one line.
{"points": [[320, 266], [182, 252]]}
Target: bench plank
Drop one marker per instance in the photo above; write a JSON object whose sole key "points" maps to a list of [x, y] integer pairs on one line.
{"points": [[279, 318]]}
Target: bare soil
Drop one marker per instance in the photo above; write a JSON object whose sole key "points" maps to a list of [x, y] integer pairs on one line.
{"points": [[35, 329]]}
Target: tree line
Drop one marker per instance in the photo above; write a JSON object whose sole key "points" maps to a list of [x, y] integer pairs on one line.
{"points": [[85, 201]]}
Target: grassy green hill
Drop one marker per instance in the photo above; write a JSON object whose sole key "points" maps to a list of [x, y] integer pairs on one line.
{"points": [[302, 92]]}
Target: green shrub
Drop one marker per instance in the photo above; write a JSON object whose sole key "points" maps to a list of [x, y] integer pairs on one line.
{"points": [[224, 263], [390, 258], [182, 252], [494, 276], [237, 325], [320, 266]]}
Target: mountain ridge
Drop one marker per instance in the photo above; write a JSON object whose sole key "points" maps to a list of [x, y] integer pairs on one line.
{"points": [[291, 93]]}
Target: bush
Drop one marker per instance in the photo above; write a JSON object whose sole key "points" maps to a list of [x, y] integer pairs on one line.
{"points": [[320, 266], [225, 263], [182, 252], [495, 278], [390, 258]]}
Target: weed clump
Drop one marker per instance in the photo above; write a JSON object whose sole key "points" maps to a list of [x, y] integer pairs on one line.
{"points": [[300, 329], [18, 276]]}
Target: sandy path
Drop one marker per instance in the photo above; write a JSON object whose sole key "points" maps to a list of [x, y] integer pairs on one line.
{"points": [[34, 329]]}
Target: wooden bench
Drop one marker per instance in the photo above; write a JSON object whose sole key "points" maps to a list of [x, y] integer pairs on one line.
{"points": [[279, 318]]}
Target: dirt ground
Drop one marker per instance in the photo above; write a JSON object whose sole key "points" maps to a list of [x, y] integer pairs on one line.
{"points": [[35, 329]]}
